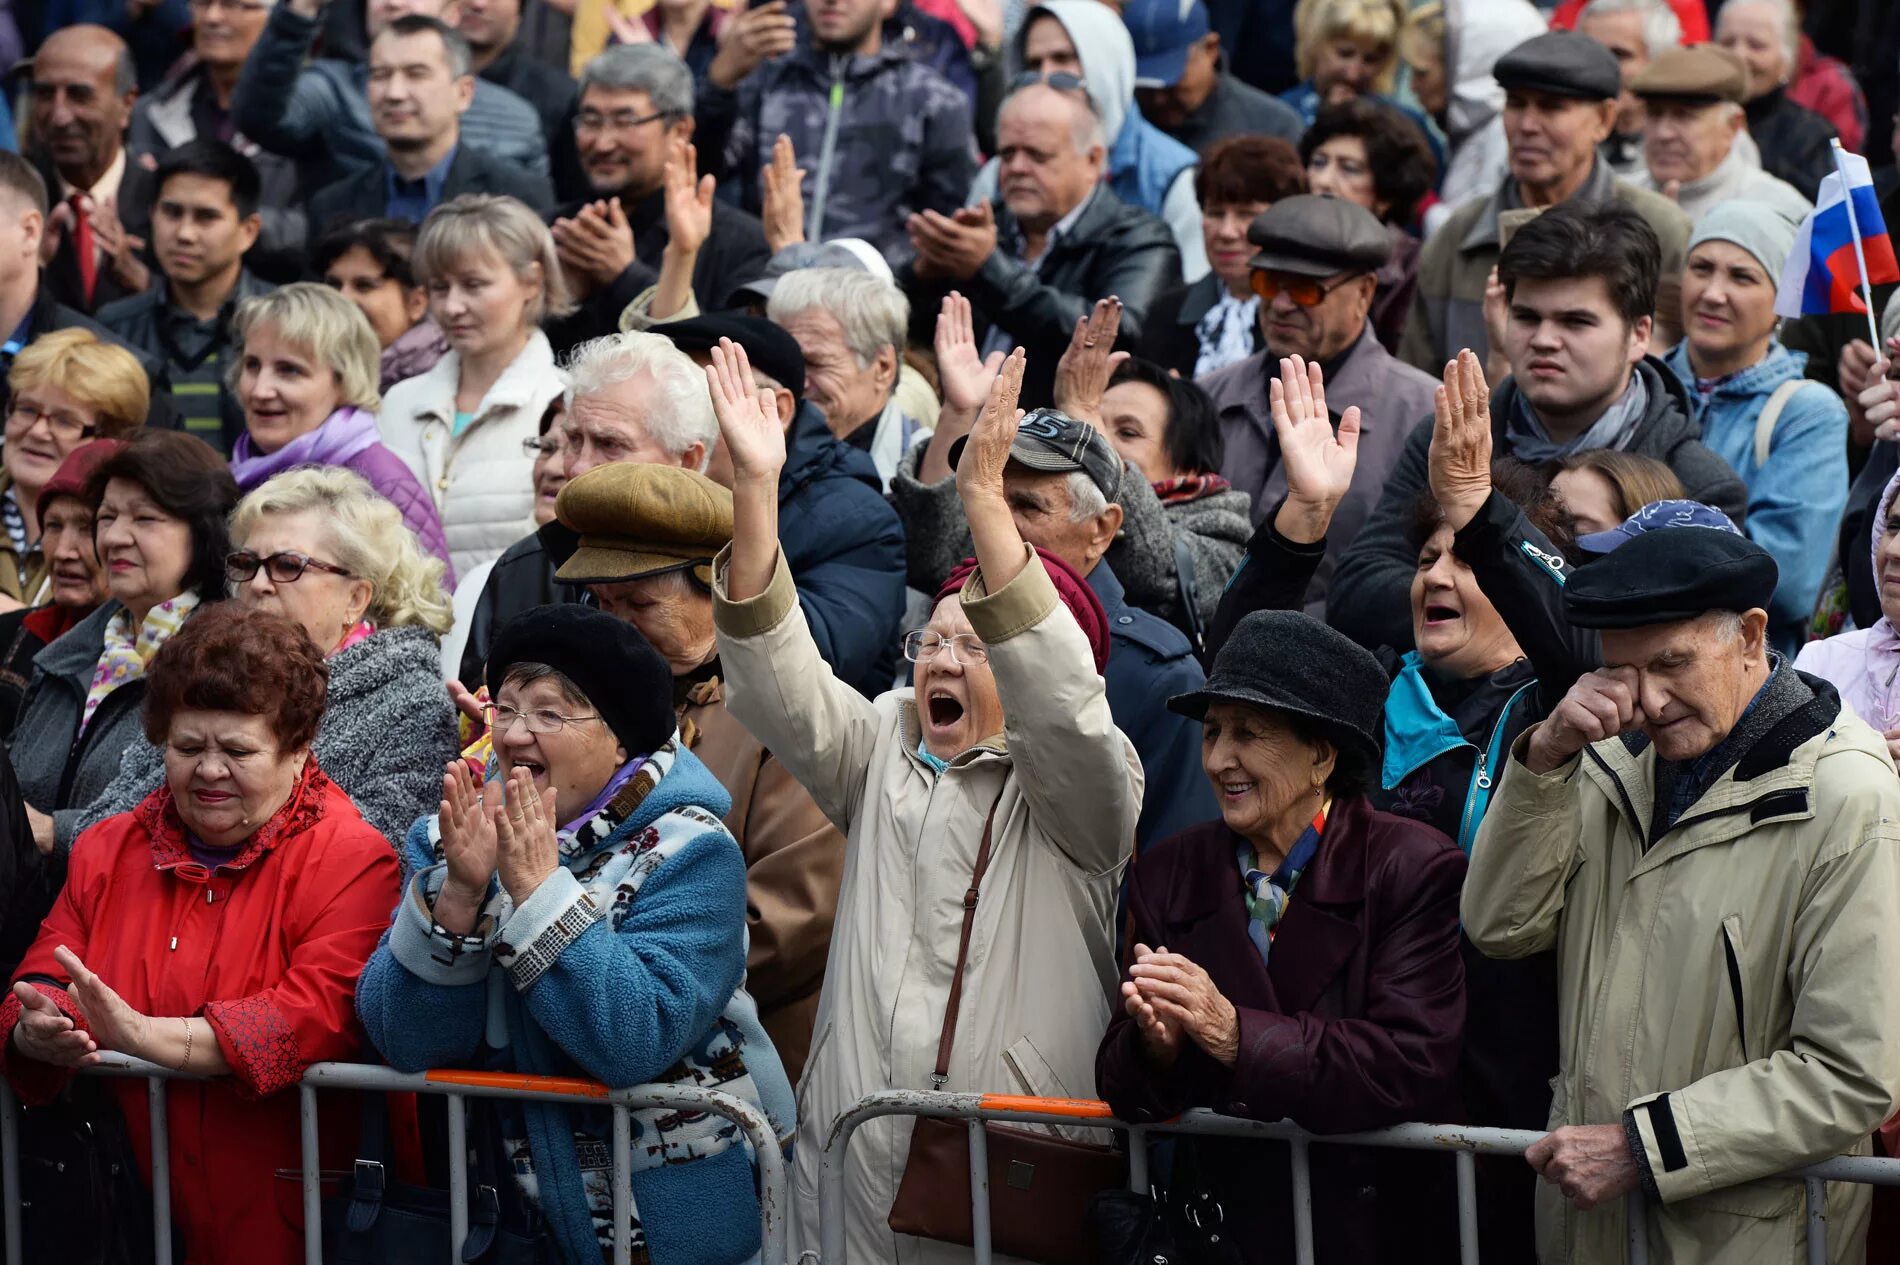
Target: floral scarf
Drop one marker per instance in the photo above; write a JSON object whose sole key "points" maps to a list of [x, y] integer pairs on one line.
{"points": [[128, 651], [1268, 894]]}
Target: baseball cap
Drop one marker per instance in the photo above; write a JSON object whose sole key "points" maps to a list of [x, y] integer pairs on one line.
{"points": [[1055, 443], [1163, 31], [1655, 516]]}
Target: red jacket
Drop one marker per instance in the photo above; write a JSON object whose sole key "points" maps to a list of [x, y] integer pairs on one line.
{"points": [[267, 949]]}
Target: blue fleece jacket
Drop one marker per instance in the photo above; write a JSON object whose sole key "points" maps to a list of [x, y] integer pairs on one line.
{"points": [[1795, 498], [620, 1004]]}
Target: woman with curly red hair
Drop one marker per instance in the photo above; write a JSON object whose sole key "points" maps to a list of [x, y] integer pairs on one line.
{"points": [[218, 929]]}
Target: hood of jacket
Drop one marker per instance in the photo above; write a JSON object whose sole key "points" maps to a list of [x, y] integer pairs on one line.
{"points": [[1477, 33], [1107, 53], [812, 452]]}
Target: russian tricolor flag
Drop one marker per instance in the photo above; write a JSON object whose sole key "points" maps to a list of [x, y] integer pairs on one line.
{"points": [[1823, 271]]}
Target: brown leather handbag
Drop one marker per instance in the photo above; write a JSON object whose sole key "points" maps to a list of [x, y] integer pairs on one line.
{"points": [[1040, 1184]]}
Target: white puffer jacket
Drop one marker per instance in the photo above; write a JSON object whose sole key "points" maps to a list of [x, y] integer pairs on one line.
{"points": [[480, 478]]}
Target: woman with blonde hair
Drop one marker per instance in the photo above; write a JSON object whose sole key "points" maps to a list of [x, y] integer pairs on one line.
{"points": [[318, 546], [306, 376], [64, 388], [1343, 49], [489, 266]]}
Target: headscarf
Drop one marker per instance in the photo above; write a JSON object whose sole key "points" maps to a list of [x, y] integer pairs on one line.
{"points": [[1070, 587]]}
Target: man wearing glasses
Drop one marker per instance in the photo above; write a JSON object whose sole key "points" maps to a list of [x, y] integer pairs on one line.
{"points": [[1314, 275]]}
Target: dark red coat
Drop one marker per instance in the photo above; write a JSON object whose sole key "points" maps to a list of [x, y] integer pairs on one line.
{"points": [[1356, 1024], [268, 949]]}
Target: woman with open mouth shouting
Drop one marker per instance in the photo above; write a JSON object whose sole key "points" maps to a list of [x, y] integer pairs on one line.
{"points": [[1002, 764]]}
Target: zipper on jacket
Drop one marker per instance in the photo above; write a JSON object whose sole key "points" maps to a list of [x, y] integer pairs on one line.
{"points": [[827, 150], [1481, 775], [1735, 988]]}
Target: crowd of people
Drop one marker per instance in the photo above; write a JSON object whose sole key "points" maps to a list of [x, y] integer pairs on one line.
{"points": [[1257, 555]]}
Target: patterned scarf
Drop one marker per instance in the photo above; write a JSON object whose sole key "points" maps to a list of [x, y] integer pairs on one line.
{"points": [[1189, 487], [1268, 894], [128, 651], [16, 525], [1225, 333]]}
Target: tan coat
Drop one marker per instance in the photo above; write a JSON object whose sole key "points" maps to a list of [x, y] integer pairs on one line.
{"points": [[794, 860], [1041, 967], [1727, 992]]}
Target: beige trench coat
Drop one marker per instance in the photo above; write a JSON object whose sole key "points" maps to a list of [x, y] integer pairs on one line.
{"points": [[1729, 992], [1041, 968]]}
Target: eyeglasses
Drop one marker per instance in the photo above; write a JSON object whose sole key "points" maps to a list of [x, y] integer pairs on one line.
{"points": [[619, 121], [1304, 291], [283, 568], [966, 648], [65, 427], [541, 721], [1060, 80], [541, 446]]}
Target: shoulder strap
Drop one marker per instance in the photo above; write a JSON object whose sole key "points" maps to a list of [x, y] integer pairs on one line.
{"points": [[1184, 580], [1770, 414], [947, 1039]]}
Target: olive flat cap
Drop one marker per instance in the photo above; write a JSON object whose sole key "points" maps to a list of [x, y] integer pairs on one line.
{"points": [[635, 519], [1703, 73], [1668, 575], [1313, 235], [1562, 63]]}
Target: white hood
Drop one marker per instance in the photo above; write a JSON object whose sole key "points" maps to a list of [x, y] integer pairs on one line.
{"points": [[1477, 33]]}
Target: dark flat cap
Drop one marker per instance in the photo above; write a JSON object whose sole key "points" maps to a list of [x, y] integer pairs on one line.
{"points": [[1702, 73], [1312, 235], [637, 519], [1562, 63], [1287, 661], [622, 675], [1671, 574], [1055, 443], [773, 352]]}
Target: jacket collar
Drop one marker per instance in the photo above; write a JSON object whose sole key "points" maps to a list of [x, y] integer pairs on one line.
{"points": [[516, 388], [1199, 300], [171, 848], [73, 656], [1761, 378], [1096, 216], [1336, 877], [1598, 186]]}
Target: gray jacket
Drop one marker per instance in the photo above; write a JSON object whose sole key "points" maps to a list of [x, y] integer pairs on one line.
{"points": [[388, 729], [59, 774]]}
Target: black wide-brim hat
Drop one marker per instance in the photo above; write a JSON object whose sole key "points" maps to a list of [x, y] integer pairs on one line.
{"points": [[1287, 661]]}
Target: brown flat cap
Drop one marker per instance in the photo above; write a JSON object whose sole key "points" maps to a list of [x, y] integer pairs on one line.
{"points": [[1312, 235], [636, 519], [1703, 73]]}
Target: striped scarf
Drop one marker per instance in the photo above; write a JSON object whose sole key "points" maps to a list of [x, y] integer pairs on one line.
{"points": [[1189, 487], [1268, 894]]}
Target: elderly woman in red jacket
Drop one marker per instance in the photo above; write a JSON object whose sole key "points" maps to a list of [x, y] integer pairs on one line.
{"points": [[218, 929], [1298, 957]]}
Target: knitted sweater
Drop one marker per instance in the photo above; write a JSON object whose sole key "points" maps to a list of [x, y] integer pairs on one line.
{"points": [[388, 728]]}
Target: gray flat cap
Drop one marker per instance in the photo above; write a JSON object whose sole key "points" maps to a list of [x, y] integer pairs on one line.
{"points": [[1562, 63], [1312, 235]]}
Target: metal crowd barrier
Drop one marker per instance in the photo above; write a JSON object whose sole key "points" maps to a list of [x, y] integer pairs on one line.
{"points": [[1466, 1142], [455, 1086]]}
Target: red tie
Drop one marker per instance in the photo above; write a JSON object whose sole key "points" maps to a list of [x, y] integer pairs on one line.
{"points": [[82, 244]]}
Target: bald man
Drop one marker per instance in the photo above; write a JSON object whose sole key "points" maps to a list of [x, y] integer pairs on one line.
{"points": [[83, 90]]}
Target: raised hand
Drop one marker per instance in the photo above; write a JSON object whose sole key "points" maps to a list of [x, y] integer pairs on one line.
{"points": [[468, 837], [965, 373], [1089, 362], [527, 851], [1460, 462], [1318, 463], [689, 200], [986, 451], [1599, 706], [748, 416], [1497, 323], [751, 36], [782, 212], [115, 1025], [45, 1033]]}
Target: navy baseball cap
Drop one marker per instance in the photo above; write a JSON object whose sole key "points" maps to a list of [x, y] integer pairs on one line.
{"points": [[1655, 516], [1163, 31]]}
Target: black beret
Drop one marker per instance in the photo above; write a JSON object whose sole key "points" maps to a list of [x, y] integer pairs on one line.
{"points": [[773, 352], [1287, 661], [1672, 574], [1312, 235], [1562, 63], [619, 671]]}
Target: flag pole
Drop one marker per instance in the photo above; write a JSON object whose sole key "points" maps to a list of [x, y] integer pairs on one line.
{"points": [[1860, 256]]}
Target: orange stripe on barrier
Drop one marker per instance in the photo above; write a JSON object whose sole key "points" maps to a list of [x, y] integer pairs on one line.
{"points": [[518, 1080], [1078, 1108]]}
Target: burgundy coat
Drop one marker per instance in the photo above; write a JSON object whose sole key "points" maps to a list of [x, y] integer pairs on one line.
{"points": [[1356, 1024]]}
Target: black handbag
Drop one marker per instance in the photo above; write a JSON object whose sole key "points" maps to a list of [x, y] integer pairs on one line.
{"points": [[82, 1201], [376, 1220], [1181, 1225]]}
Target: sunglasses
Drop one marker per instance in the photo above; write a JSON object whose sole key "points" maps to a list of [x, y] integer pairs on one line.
{"points": [[1060, 80], [1304, 291]]}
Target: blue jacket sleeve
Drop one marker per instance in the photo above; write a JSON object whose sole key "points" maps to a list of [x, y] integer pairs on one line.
{"points": [[422, 1006], [1795, 500], [627, 1002], [854, 602]]}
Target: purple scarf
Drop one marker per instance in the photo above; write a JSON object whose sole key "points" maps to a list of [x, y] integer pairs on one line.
{"points": [[343, 435]]}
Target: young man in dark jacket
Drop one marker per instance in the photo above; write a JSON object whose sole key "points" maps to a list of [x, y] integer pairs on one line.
{"points": [[1581, 285]]}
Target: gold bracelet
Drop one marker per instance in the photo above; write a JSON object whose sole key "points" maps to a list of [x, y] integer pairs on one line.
{"points": [[185, 1063]]}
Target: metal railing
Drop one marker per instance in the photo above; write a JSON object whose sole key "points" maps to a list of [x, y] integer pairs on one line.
{"points": [[456, 1086], [1465, 1142]]}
